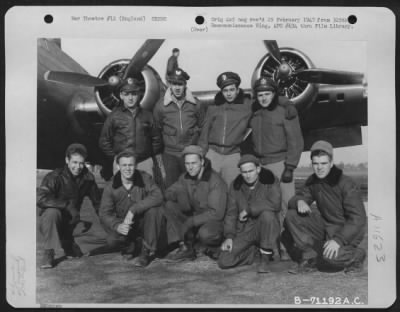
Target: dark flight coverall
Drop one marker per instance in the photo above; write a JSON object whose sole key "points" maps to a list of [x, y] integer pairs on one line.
{"points": [[341, 216], [261, 229], [202, 202], [143, 200], [172, 65], [59, 200]]}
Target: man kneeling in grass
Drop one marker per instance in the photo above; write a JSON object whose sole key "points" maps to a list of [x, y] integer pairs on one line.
{"points": [[251, 223], [331, 234], [130, 214]]}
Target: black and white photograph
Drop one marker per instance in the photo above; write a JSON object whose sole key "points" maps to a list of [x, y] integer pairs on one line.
{"points": [[254, 122], [188, 171]]}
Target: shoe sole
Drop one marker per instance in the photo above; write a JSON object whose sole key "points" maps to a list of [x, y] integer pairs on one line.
{"points": [[302, 271], [46, 266]]}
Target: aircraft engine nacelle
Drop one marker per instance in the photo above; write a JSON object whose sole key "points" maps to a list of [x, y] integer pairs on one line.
{"points": [[107, 97], [301, 93]]}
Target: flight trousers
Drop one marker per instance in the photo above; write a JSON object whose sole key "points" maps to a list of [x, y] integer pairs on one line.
{"points": [[209, 234], [309, 234], [174, 166], [225, 165], [287, 189], [261, 232], [57, 232], [146, 227]]}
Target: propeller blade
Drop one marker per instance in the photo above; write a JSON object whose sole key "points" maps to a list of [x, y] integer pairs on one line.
{"points": [[273, 49], [74, 78], [328, 76], [142, 57]]}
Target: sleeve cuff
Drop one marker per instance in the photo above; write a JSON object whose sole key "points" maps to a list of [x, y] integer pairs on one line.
{"points": [[291, 167], [230, 235], [338, 240]]}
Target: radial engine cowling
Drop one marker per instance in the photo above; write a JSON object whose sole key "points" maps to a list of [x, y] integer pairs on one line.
{"points": [[107, 97], [301, 93]]}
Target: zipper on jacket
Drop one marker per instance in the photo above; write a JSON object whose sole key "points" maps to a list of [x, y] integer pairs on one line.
{"points": [[224, 133], [260, 137], [180, 118]]}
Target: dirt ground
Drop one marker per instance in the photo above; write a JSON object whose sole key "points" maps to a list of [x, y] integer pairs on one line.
{"points": [[110, 279]]}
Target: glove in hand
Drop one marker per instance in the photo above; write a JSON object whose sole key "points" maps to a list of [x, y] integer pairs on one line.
{"points": [[287, 175]]}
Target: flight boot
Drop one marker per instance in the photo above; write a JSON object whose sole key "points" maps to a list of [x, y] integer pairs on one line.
{"points": [[48, 259], [184, 252], [128, 251], [144, 259], [357, 263], [263, 266], [305, 266]]}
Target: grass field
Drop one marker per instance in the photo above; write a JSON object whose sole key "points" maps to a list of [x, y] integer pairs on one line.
{"points": [[110, 279]]}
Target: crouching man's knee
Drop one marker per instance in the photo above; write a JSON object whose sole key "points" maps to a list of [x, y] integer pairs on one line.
{"points": [[210, 235], [269, 218], [51, 215], [226, 260], [291, 215], [114, 242]]}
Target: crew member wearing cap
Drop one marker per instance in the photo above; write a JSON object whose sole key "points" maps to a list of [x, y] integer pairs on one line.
{"points": [[180, 118], [252, 218], [59, 200], [172, 63], [129, 213], [276, 138], [226, 126], [130, 127], [195, 207], [330, 234]]}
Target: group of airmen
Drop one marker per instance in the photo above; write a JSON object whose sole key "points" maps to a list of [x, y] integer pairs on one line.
{"points": [[231, 201]]}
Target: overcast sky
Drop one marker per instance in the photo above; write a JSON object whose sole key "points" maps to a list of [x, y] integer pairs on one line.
{"points": [[204, 60]]}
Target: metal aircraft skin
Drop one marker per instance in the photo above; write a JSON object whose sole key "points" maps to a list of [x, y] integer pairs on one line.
{"points": [[72, 105]]}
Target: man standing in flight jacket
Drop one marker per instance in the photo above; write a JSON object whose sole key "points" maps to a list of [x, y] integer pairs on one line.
{"points": [[277, 138], [130, 127], [180, 118], [226, 126]]}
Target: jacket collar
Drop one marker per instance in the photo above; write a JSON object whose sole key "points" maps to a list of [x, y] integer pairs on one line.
{"points": [[331, 179], [84, 174], [266, 177], [137, 180], [124, 109], [219, 98], [169, 98], [206, 172]]}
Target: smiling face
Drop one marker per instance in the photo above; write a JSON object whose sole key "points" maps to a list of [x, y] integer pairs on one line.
{"points": [[193, 163], [230, 92], [265, 98], [127, 167], [250, 172], [178, 89], [75, 163], [130, 98], [322, 165]]}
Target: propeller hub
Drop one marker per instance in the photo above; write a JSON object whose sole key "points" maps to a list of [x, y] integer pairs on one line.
{"points": [[284, 71], [114, 81]]}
